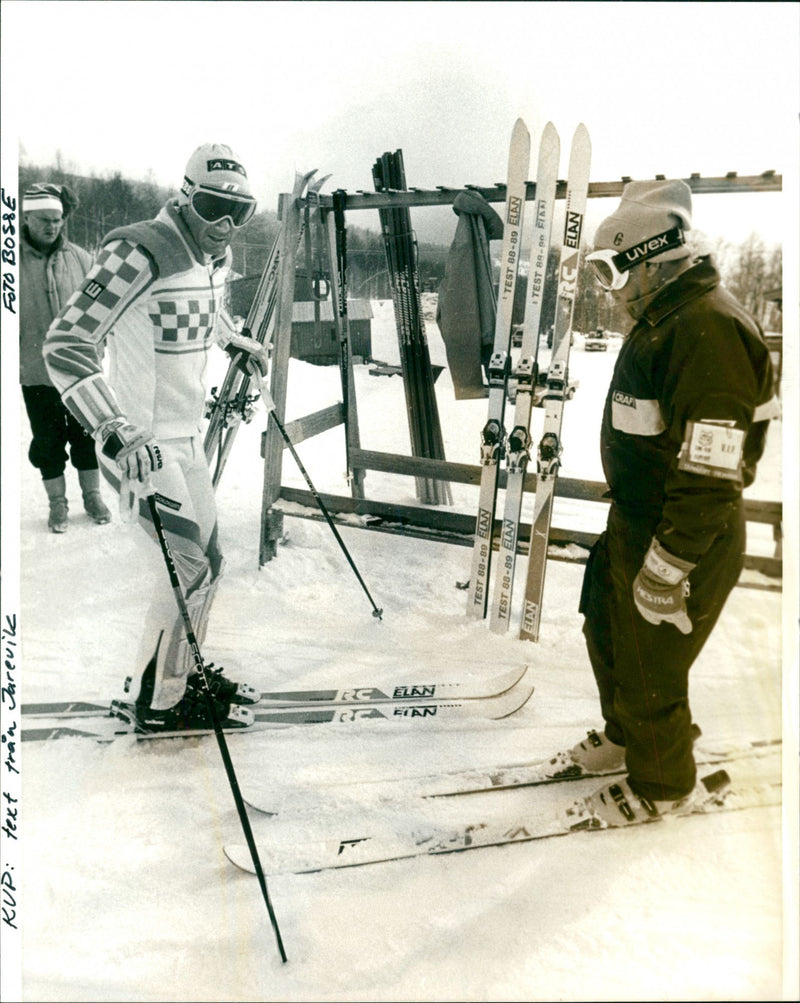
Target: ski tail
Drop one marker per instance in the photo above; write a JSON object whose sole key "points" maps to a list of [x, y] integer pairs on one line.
{"points": [[549, 452], [526, 372], [493, 434]]}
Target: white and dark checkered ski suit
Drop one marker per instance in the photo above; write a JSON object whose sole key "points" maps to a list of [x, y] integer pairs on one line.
{"points": [[155, 300]]}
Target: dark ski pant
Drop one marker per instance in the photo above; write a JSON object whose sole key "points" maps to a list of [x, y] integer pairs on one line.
{"points": [[641, 670], [54, 429]]}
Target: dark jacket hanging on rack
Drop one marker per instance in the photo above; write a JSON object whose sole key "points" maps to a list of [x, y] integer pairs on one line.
{"points": [[467, 299]]}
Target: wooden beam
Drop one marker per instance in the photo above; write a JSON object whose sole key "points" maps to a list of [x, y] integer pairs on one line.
{"points": [[566, 487], [769, 181], [313, 424], [445, 526]]}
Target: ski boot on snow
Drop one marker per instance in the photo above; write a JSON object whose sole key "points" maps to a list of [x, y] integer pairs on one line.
{"points": [[596, 754], [616, 804], [226, 690], [192, 713]]}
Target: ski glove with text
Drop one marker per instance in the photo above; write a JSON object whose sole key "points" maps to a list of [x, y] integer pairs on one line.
{"points": [[661, 587], [133, 449], [249, 355]]}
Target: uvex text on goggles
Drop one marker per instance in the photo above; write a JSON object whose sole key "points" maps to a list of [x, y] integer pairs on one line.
{"points": [[611, 268], [212, 206]]}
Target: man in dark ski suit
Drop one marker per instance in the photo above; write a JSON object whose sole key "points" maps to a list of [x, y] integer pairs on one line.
{"points": [[684, 425]]}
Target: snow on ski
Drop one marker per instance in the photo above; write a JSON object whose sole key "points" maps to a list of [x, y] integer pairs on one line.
{"points": [[518, 444], [547, 821], [493, 433], [549, 453], [469, 688], [541, 773], [414, 712]]}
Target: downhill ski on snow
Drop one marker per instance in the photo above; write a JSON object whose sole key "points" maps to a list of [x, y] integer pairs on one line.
{"points": [[740, 789], [549, 453], [484, 780], [518, 443], [424, 690], [118, 720], [493, 433]]}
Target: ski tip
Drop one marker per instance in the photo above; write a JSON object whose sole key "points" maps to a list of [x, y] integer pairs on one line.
{"points": [[582, 138], [520, 130]]}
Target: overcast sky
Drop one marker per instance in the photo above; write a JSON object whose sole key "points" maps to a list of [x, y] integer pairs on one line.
{"points": [[664, 88]]}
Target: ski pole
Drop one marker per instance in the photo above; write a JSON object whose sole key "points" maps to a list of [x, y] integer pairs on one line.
{"points": [[221, 741], [270, 406]]}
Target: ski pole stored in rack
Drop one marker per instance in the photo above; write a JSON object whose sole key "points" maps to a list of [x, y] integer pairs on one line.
{"points": [[388, 172]]}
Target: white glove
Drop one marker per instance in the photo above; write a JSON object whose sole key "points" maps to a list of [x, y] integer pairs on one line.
{"points": [[249, 355], [661, 587], [134, 450]]}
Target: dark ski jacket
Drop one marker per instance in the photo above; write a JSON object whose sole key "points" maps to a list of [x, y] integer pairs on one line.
{"points": [[47, 280], [687, 411]]}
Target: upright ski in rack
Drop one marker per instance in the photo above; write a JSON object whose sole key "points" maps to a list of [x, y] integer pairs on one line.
{"points": [[493, 434], [519, 440], [233, 404], [549, 455]]}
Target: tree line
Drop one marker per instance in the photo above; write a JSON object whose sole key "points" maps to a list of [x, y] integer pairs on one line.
{"points": [[751, 271]]}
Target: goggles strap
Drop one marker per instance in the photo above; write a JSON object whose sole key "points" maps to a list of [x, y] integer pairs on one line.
{"points": [[666, 241]]}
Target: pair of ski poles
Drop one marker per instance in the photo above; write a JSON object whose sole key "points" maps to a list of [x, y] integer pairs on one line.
{"points": [[152, 501]]}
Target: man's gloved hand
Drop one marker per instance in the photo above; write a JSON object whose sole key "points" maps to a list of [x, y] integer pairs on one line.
{"points": [[249, 354], [134, 450], [661, 587]]}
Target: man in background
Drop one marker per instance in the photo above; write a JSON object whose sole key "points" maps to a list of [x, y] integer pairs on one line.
{"points": [[51, 269]]}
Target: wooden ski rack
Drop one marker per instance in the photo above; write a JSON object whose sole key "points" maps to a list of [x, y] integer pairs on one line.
{"points": [[420, 521]]}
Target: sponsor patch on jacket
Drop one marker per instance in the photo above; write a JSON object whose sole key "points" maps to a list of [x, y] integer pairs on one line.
{"points": [[635, 416], [712, 449]]}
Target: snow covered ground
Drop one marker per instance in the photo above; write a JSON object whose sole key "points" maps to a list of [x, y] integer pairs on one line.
{"points": [[122, 888]]}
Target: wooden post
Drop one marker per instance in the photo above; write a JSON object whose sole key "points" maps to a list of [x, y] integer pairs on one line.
{"points": [[272, 523]]}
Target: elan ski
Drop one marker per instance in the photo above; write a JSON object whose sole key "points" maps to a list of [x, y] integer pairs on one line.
{"points": [[493, 433], [549, 454], [518, 444], [362, 847], [118, 720], [469, 688]]}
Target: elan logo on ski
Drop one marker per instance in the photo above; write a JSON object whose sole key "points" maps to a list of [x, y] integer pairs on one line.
{"points": [[572, 230], [414, 691], [415, 711], [514, 213]]}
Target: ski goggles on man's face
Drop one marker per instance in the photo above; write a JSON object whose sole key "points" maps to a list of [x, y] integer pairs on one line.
{"points": [[612, 268], [213, 206]]}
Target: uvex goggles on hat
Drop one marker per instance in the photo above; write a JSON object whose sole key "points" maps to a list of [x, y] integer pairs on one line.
{"points": [[611, 268], [212, 205]]}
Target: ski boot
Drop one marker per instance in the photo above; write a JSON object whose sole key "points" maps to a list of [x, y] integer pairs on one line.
{"points": [[616, 804], [192, 713], [226, 690], [596, 754]]}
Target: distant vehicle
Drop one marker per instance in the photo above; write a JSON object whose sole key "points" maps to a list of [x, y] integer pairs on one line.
{"points": [[595, 341]]}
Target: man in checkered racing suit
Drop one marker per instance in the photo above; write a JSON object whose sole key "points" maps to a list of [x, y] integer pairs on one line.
{"points": [[157, 287]]}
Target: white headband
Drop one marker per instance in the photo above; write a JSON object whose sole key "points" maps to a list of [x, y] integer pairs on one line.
{"points": [[36, 202]]}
